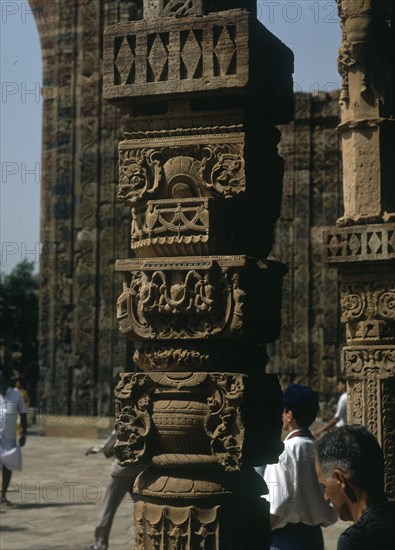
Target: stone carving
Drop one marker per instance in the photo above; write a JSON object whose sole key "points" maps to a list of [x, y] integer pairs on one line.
{"points": [[168, 528], [185, 171], [362, 362], [361, 243], [369, 311], [166, 222], [139, 175], [355, 20], [164, 51], [208, 356], [388, 434], [177, 305], [180, 298], [179, 8], [371, 372], [209, 430]]}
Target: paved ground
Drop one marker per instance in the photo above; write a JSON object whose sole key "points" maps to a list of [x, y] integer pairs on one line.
{"points": [[58, 496]]}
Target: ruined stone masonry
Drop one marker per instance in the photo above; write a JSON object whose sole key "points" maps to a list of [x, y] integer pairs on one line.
{"points": [[362, 246], [202, 85], [82, 223]]}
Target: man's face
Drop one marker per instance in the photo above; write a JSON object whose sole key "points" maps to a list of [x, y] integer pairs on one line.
{"points": [[341, 387], [286, 418], [334, 492]]}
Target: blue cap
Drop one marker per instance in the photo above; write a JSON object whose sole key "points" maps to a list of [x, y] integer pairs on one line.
{"points": [[300, 397]]}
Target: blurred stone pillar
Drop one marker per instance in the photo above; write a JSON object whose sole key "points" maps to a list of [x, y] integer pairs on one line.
{"points": [[363, 244], [200, 173]]}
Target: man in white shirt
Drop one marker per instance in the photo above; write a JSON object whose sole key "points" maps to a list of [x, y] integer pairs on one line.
{"points": [[11, 404], [297, 505], [340, 418]]}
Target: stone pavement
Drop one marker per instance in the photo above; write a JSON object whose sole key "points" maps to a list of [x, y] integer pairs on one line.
{"points": [[58, 496]]}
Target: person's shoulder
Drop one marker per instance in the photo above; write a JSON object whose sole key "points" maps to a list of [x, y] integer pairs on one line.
{"points": [[351, 539], [372, 531]]}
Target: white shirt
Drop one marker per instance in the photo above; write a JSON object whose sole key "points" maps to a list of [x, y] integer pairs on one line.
{"points": [[341, 411], [11, 405], [295, 494]]}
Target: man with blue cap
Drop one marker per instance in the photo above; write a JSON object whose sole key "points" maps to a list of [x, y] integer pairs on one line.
{"points": [[297, 505]]}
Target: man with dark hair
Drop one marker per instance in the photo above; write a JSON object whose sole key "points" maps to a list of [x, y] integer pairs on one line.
{"points": [[350, 467], [297, 505]]}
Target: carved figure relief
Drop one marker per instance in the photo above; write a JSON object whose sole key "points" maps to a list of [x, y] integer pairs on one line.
{"points": [[174, 304], [139, 174], [188, 171]]}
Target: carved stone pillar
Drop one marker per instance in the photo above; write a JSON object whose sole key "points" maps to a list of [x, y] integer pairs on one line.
{"points": [[200, 173], [363, 244]]}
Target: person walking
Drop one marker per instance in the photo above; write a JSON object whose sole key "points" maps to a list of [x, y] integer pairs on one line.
{"points": [[340, 418], [350, 467], [12, 404], [119, 483], [297, 505]]}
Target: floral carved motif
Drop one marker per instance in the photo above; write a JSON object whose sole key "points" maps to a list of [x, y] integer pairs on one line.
{"points": [[181, 172], [133, 421], [171, 528], [223, 423], [368, 309]]}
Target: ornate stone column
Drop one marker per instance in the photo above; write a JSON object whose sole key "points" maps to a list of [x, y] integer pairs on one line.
{"points": [[200, 173], [363, 244]]}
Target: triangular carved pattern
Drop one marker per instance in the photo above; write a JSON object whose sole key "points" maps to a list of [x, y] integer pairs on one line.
{"points": [[375, 243], [158, 57], [126, 59], [391, 241], [191, 55], [225, 51], [334, 245], [354, 244]]}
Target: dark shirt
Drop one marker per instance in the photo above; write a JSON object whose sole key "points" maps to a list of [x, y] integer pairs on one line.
{"points": [[375, 530]]}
